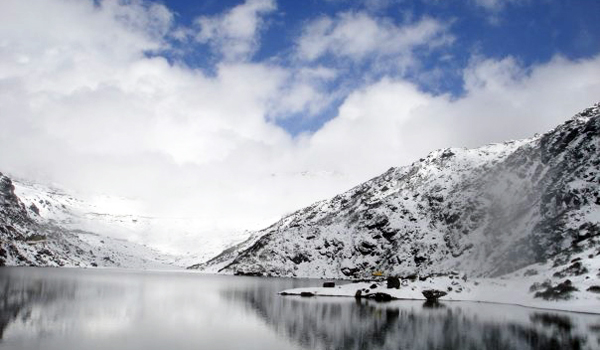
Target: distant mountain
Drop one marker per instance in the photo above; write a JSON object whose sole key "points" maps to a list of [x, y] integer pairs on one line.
{"points": [[486, 211], [30, 236], [37, 217]]}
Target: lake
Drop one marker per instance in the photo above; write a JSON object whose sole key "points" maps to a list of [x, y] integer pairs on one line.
{"points": [[68, 309]]}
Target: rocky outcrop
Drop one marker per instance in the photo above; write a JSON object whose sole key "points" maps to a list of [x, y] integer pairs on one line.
{"points": [[433, 294], [485, 212]]}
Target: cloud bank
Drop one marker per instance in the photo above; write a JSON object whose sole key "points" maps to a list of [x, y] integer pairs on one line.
{"points": [[88, 99]]}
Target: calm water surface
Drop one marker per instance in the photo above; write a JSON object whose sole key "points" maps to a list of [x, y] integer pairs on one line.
{"points": [[70, 309]]}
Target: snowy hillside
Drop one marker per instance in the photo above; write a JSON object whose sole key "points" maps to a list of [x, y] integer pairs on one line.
{"points": [[486, 212], [117, 223], [125, 219], [29, 237], [46, 226]]}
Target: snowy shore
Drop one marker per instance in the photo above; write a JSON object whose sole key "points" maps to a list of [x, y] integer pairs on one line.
{"points": [[515, 288]]}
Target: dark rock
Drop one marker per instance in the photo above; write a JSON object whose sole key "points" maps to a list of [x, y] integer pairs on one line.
{"points": [[373, 286], [576, 269], [419, 259], [366, 247], [413, 277], [307, 294], [347, 271], [393, 282], [433, 294], [34, 209], [245, 273], [539, 286], [380, 297], [358, 294], [328, 284], [561, 291], [299, 258], [594, 289]]}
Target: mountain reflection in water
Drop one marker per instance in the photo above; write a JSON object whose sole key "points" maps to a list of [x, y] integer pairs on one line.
{"points": [[345, 323], [72, 309]]}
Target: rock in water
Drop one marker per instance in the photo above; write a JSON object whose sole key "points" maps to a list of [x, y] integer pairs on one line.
{"points": [[433, 294]]}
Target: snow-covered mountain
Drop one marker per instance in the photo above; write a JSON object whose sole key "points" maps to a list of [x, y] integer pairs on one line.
{"points": [[486, 211], [184, 239], [47, 226], [29, 236]]}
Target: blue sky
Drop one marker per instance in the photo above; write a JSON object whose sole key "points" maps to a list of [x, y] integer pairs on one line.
{"points": [[237, 112], [532, 32]]}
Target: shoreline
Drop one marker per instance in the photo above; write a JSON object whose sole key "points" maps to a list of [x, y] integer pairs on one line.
{"points": [[515, 292]]}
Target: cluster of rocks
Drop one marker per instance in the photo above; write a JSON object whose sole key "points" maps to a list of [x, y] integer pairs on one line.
{"points": [[375, 292], [548, 291]]}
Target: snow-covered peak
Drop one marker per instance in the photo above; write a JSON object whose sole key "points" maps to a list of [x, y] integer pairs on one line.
{"points": [[485, 211]]}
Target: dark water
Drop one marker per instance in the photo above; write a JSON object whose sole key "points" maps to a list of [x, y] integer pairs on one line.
{"points": [[111, 309]]}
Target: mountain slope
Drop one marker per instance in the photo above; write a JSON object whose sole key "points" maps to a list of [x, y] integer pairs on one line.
{"points": [[27, 238], [486, 211], [120, 219]]}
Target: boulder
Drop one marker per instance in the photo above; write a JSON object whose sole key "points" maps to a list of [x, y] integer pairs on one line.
{"points": [[594, 289], [393, 282], [328, 284], [307, 294], [433, 294], [380, 296]]}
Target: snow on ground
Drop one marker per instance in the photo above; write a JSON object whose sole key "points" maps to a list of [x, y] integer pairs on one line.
{"points": [[515, 288]]}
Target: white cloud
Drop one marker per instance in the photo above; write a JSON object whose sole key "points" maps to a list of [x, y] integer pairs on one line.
{"points": [[358, 35], [81, 104], [392, 122], [234, 34]]}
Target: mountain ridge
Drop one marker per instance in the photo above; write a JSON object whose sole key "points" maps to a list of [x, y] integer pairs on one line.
{"points": [[486, 211]]}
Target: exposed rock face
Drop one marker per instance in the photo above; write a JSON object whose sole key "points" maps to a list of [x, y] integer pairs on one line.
{"points": [[15, 223], [485, 211]]}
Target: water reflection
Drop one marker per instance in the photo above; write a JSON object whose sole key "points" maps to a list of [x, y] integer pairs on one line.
{"points": [[339, 323], [104, 309], [107, 309]]}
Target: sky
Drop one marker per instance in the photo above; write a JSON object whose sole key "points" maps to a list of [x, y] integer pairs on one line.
{"points": [[238, 112]]}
